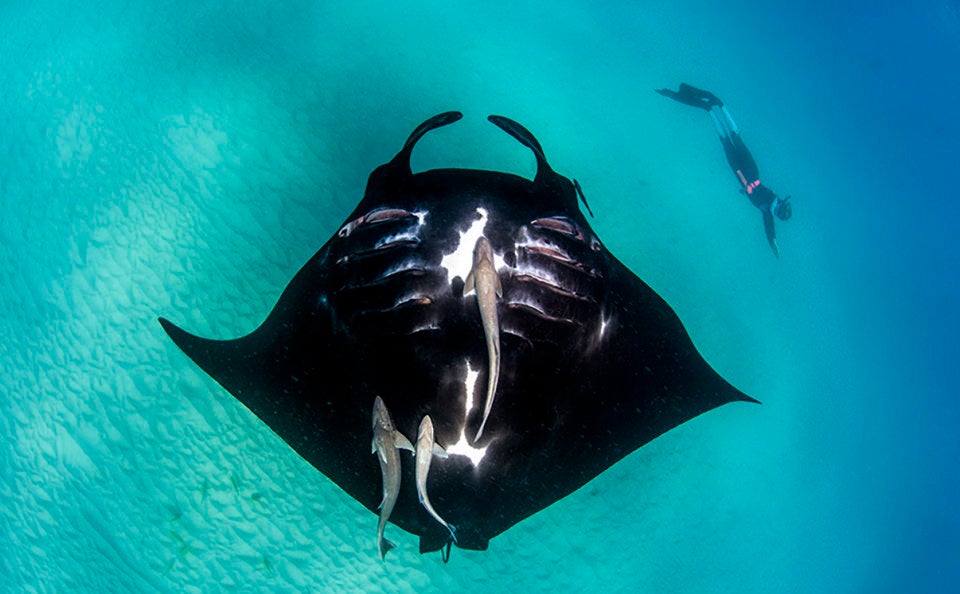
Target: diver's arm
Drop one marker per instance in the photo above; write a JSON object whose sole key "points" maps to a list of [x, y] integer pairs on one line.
{"points": [[768, 227]]}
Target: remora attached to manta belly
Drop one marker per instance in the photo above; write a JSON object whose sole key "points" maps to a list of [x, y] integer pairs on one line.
{"points": [[427, 448], [386, 441], [595, 355], [484, 280]]}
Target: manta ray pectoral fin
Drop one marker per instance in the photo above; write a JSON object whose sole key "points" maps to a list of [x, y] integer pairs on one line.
{"points": [[470, 284], [200, 350], [234, 364], [438, 451], [401, 442]]}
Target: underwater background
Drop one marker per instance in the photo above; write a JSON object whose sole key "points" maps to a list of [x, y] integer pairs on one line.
{"points": [[185, 159]]}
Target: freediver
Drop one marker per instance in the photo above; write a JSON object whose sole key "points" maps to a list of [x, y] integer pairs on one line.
{"points": [[739, 158]]}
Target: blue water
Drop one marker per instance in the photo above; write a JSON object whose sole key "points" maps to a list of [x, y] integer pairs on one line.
{"points": [[186, 159]]}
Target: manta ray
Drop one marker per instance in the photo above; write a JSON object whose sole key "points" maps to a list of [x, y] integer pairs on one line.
{"points": [[592, 363]]}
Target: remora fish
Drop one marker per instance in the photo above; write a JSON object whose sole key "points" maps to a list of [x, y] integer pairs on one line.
{"points": [[484, 280], [386, 441], [426, 450]]}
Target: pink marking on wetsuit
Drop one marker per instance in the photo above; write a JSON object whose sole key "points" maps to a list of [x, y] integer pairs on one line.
{"points": [[749, 187]]}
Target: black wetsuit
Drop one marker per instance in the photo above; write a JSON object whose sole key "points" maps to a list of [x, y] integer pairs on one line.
{"points": [[743, 165], [738, 156]]}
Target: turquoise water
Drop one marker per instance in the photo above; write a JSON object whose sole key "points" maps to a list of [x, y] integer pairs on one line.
{"points": [[186, 159]]}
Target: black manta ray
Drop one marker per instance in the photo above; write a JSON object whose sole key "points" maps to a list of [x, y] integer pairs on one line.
{"points": [[592, 363]]}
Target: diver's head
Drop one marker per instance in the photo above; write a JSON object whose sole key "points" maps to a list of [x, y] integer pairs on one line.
{"points": [[783, 209]]}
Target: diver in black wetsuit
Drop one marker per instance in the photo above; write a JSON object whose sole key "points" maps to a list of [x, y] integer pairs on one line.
{"points": [[740, 159]]}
